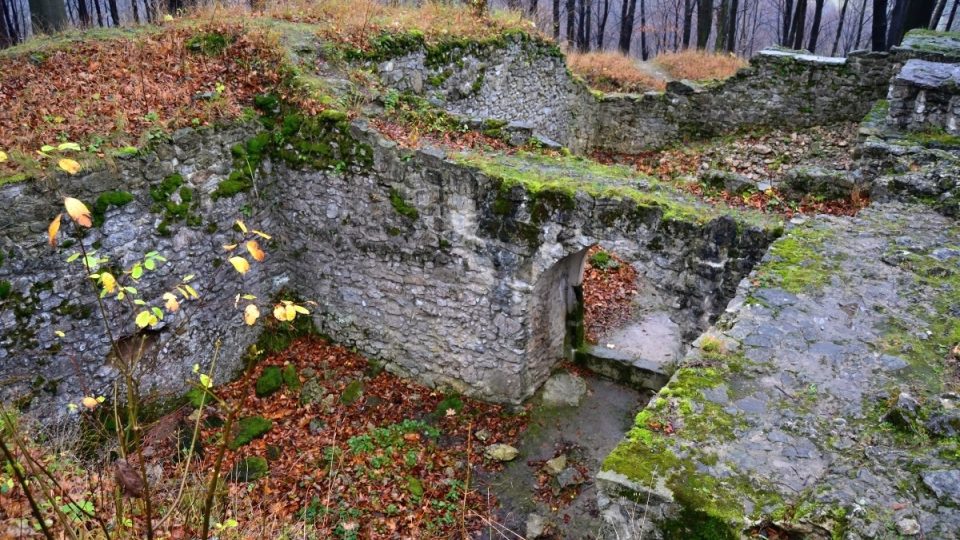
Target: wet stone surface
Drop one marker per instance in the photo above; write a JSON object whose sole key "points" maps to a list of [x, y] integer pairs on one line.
{"points": [[826, 370]]}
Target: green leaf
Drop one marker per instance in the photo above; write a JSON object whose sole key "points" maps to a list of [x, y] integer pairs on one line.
{"points": [[157, 312], [139, 302], [47, 148], [149, 264], [205, 380], [69, 146], [73, 257], [137, 271], [143, 319]]}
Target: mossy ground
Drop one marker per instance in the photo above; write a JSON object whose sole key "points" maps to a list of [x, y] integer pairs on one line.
{"points": [[796, 262]]}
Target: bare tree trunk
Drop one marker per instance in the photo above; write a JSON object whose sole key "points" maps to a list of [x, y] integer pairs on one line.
{"points": [[879, 25], [587, 24], [937, 13], [836, 40], [799, 25], [48, 15], [114, 12], [704, 18], [953, 13], [556, 20], [721, 43], [687, 21], [732, 33], [863, 12], [629, 10], [571, 21], [787, 23], [602, 24], [9, 34], [815, 29], [644, 53], [532, 10]]}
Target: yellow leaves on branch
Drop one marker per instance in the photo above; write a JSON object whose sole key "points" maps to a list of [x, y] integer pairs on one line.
{"points": [[69, 165], [240, 264], [171, 302], [108, 281], [78, 212], [287, 311], [254, 248], [251, 314], [53, 229]]}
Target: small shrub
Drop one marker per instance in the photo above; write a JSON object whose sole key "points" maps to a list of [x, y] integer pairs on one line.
{"points": [[613, 72], [209, 43], [602, 260], [696, 65]]}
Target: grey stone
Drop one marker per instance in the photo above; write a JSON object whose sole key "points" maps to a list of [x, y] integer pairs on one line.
{"points": [[569, 477], [535, 526], [908, 527], [727, 181], [944, 484], [564, 390], [943, 424], [903, 413], [556, 465], [500, 452], [819, 181]]}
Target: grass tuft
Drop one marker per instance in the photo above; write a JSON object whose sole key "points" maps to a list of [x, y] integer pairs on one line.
{"points": [[698, 65], [613, 72]]}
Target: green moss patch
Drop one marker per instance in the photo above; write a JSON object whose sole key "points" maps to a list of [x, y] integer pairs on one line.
{"points": [[248, 469], [796, 262], [249, 429], [105, 201], [269, 382], [173, 210], [209, 43], [401, 206]]}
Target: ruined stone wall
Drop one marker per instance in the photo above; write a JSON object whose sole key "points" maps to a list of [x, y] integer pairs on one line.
{"points": [[40, 293], [779, 88], [516, 79], [526, 82], [925, 96], [417, 261]]}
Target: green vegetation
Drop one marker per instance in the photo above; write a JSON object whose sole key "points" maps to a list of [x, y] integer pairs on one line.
{"points": [[249, 429], [796, 262], [269, 382], [602, 260], [248, 469], [401, 206], [165, 195], [290, 377], [208, 43], [106, 200], [352, 392], [937, 137]]}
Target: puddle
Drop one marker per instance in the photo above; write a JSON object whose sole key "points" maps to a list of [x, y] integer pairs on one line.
{"points": [[594, 429]]}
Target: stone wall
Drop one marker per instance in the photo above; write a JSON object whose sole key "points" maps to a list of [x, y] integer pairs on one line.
{"points": [[517, 79], [44, 294], [415, 260], [779, 88], [925, 96], [527, 82]]}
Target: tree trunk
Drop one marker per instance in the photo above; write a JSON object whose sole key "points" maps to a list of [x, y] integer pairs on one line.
{"points": [[48, 15], [721, 44], [83, 13], [799, 25], [687, 22], [863, 13], [556, 20], [587, 25], [532, 10], [704, 18], [114, 12], [953, 14], [9, 34], [787, 23], [836, 40], [907, 15], [937, 13], [602, 24], [571, 21], [815, 29], [629, 10], [732, 33], [644, 53], [879, 25]]}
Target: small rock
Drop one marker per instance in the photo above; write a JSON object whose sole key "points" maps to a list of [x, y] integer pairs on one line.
{"points": [[570, 477], [908, 527], [501, 452], [564, 390], [944, 484], [535, 526], [482, 435], [316, 426], [556, 465], [727, 181], [819, 181], [312, 392], [763, 149], [903, 414], [945, 424]]}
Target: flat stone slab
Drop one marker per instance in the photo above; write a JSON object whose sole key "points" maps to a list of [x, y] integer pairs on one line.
{"points": [[930, 75], [642, 353], [938, 46], [777, 414]]}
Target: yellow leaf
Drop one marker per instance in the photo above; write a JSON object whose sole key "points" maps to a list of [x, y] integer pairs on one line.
{"points": [[89, 402], [243, 228], [69, 165], [283, 312], [262, 234], [300, 309], [229, 247], [78, 212], [240, 264], [251, 314], [171, 304], [3, 156], [254, 248], [108, 281], [53, 229]]}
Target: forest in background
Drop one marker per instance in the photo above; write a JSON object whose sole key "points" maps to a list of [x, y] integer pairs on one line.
{"points": [[640, 28]]}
